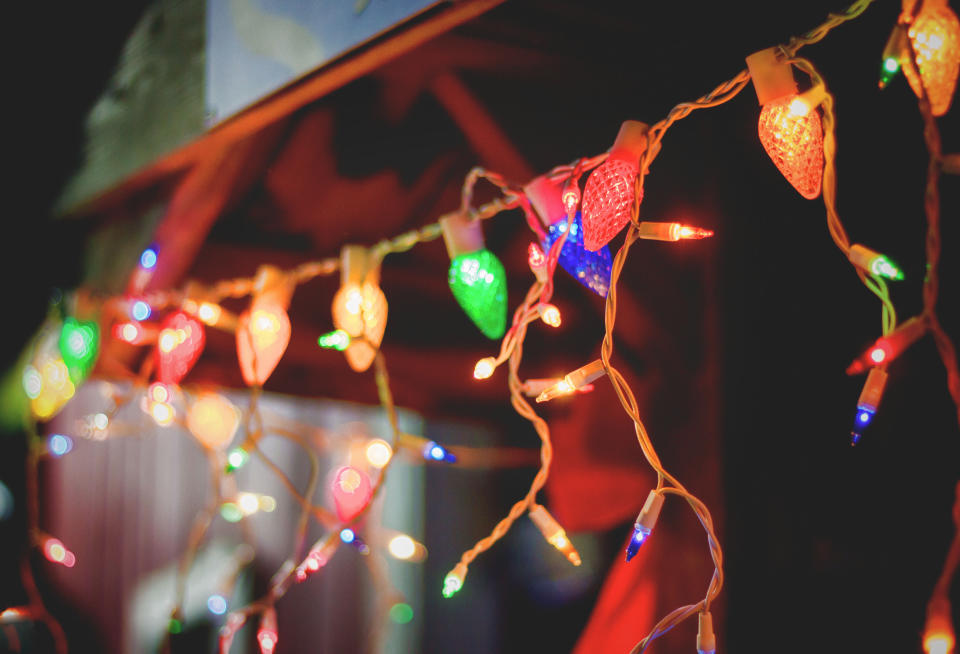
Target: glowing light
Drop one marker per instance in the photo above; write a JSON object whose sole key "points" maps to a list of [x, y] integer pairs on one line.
{"points": [[435, 452], [798, 108], [217, 604], [55, 552], [59, 444], [379, 453], [180, 344], [570, 197], [877, 355], [12, 615], [402, 547], [883, 267], [128, 332], [101, 421], [249, 503], [267, 503], [401, 613], [140, 310], [347, 535], [938, 644], [794, 141], [336, 340], [484, 368], [267, 632], [209, 313], [148, 258], [935, 35], [693, 233], [351, 492], [263, 333], [79, 343], [549, 314], [592, 269], [213, 420], [554, 533], [640, 534], [231, 512], [162, 413], [535, 257], [479, 284], [54, 389], [32, 382], [891, 65], [646, 520], [236, 459], [159, 392], [359, 310], [452, 584]]}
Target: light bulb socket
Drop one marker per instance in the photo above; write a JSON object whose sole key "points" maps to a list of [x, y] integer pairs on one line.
{"points": [[630, 143], [271, 285], [872, 392], [651, 511], [461, 234], [547, 524], [546, 196], [356, 266], [772, 77], [706, 640]]}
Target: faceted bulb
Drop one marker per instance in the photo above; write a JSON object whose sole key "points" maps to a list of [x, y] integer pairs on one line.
{"points": [[791, 133]]}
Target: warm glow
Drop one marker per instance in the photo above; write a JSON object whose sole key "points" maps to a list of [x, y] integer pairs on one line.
{"points": [[351, 492], [213, 420], [249, 503], [938, 643], [361, 312], [129, 332], [55, 552], [180, 344], [535, 256], [168, 340], [402, 547], [48, 386], [159, 392], [209, 313], [878, 355], [935, 35], [162, 413], [794, 141], [549, 314], [608, 199], [263, 333], [379, 453], [484, 368]]}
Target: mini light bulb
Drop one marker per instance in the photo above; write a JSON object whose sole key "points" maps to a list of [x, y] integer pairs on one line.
{"points": [[935, 36], [237, 458], [59, 444], [129, 332], [549, 314], [554, 533], [319, 555], [887, 348], [706, 640], [359, 307], [938, 633], [537, 261], [404, 548], [335, 340], [267, 633], [476, 276], [609, 195], [433, 451], [868, 402], [79, 345], [55, 552], [453, 582], [873, 262], [893, 52], [484, 368], [352, 538], [179, 345], [573, 381], [789, 125], [148, 258], [139, 310], [534, 387], [213, 420], [209, 313], [379, 453], [671, 232], [646, 521], [217, 604]]}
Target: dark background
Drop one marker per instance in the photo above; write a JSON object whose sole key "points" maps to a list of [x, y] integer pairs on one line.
{"points": [[827, 546]]}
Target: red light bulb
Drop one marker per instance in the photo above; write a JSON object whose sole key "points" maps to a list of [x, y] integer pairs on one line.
{"points": [[935, 37], [609, 194], [179, 345], [351, 492]]}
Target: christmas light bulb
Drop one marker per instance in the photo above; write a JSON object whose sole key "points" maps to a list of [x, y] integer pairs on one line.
{"points": [[129, 332], [476, 276], [47, 383], [868, 402], [209, 313], [435, 452], [789, 125], [893, 52], [179, 345], [609, 194], [573, 381], [401, 613], [646, 521], [554, 533], [352, 538], [935, 36], [140, 310], [887, 348], [874, 262], [360, 307], [79, 344], [404, 548], [55, 552], [213, 420], [335, 340], [484, 368], [319, 555], [217, 604], [671, 232], [351, 492], [267, 633], [237, 458], [538, 263], [263, 330], [549, 314], [379, 453], [533, 387], [59, 444], [148, 258], [938, 634], [453, 582], [706, 640]]}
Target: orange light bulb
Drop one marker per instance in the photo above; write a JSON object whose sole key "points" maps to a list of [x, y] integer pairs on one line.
{"points": [[792, 135], [263, 333], [213, 420], [935, 37], [360, 307]]}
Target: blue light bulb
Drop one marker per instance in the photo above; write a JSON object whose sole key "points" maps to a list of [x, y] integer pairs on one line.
{"points": [[861, 422], [592, 269], [347, 535], [640, 534], [148, 258], [434, 452], [140, 310], [217, 604], [59, 444]]}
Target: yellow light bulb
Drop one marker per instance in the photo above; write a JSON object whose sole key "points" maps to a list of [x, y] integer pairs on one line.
{"points": [[484, 368], [549, 314], [162, 413], [402, 547], [379, 453], [361, 311], [168, 340], [213, 420], [263, 333], [248, 503], [209, 313]]}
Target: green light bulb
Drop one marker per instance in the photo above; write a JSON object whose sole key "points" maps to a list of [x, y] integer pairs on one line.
{"points": [[889, 70], [479, 283], [451, 584], [401, 613], [237, 458], [79, 345], [883, 267], [337, 340], [231, 512]]}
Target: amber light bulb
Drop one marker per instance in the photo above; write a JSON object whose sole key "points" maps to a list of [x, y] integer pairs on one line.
{"points": [[213, 420], [935, 37], [360, 307], [263, 330], [789, 126], [609, 195]]}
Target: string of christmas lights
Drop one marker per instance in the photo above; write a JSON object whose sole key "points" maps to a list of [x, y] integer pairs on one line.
{"points": [[573, 228]]}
